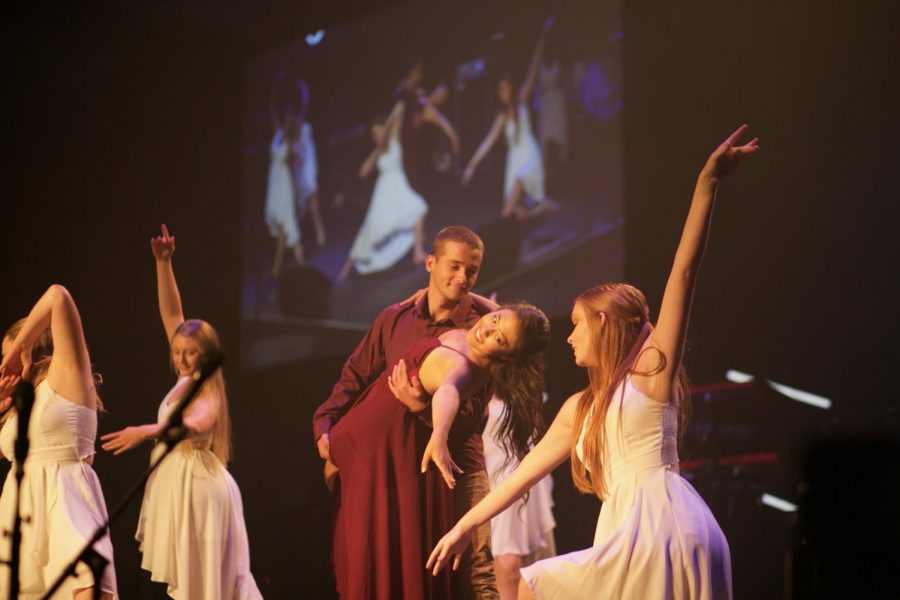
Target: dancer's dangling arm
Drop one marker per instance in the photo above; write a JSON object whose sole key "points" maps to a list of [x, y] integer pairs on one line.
{"points": [[485, 147], [671, 328], [170, 310], [548, 454]]}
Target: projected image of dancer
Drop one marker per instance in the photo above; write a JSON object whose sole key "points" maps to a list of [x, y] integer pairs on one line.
{"points": [[304, 166], [523, 533], [420, 109], [281, 210], [60, 492], [191, 526], [523, 186], [655, 536], [395, 220]]}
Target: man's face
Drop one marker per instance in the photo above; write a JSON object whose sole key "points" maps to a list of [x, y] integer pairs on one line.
{"points": [[454, 271]]}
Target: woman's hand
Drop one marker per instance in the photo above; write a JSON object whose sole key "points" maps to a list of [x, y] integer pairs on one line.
{"points": [[8, 385], [126, 439], [163, 246], [437, 451], [407, 390], [16, 363], [415, 297], [452, 545], [727, 156], [5, 405]]}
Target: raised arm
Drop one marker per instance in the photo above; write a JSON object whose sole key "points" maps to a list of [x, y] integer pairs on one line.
{"points": [[170, 311], [69, 372], [485, 147], [528, 83], [671, 328], [548, 454]]}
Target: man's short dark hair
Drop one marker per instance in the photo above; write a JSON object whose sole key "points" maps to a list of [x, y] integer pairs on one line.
{"points": [[456, 233]]}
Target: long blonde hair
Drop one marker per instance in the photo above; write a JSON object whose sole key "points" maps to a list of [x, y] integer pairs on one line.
{"points": [[616, 341], [207, 341]]}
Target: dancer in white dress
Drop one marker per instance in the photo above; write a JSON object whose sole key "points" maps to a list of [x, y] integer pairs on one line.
{"points": [[553, 128], [191, 527], [523, 185], [60, 491], [305, 167], [523, 533], [281, 210], [395, 220], [655, 537]]}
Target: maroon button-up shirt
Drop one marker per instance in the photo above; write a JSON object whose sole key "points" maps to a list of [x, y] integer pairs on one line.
{"points": [[395, 330]]}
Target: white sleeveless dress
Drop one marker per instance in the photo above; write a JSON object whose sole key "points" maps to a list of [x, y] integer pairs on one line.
{"points": [[387, 233], [281, 213], [521, 530], [655, 536], [191, 528], [523, 160], [60, 493]]}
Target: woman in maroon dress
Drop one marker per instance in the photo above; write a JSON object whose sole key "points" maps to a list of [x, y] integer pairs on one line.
{"points": [[390, 506]]}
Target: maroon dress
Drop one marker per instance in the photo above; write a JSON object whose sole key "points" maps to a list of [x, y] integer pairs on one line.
{"points": [[388, 515]]}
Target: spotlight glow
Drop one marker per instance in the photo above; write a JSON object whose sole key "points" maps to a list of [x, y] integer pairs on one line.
{"points": [[792, 393]]}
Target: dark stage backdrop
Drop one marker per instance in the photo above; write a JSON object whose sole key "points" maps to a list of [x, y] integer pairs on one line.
{"points": [[120, 117]]}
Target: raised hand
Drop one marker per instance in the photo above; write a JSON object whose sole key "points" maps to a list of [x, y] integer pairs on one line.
{"points": [[163, 246], [437, 451], [406, 389], [452, 545], [14, 365], [8, 385], [728, 155]]}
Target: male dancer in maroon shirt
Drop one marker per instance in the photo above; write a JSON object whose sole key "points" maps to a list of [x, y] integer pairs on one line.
{"points": [[453, 268]]}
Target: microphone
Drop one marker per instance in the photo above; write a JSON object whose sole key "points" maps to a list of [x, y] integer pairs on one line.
{"points": [[23, 400]]}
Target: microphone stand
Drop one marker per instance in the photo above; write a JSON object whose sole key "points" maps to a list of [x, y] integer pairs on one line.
{"points": [[173, 433], [24, 401]]}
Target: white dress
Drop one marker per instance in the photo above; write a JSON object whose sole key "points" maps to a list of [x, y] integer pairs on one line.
{"points": [[552, 121], [655, 537], [386, 234], [281, 214], [523, 160], [60, 493], [304, 168], [191, 527], [523, 531]]}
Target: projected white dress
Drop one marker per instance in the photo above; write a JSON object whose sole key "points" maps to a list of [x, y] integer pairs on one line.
{"points": [[552, 121], [304, 169], [281, 214], [521, 530], [191, 527], [60, 493], [655, 537], [523, 160], [386, 234]]}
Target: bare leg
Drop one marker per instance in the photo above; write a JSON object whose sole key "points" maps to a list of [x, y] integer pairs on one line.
{"points": [[419, 254], [279, 254], [506, 571], [317, 218], [513, 199], [298, 253], [524, 591], [346, 270]]}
